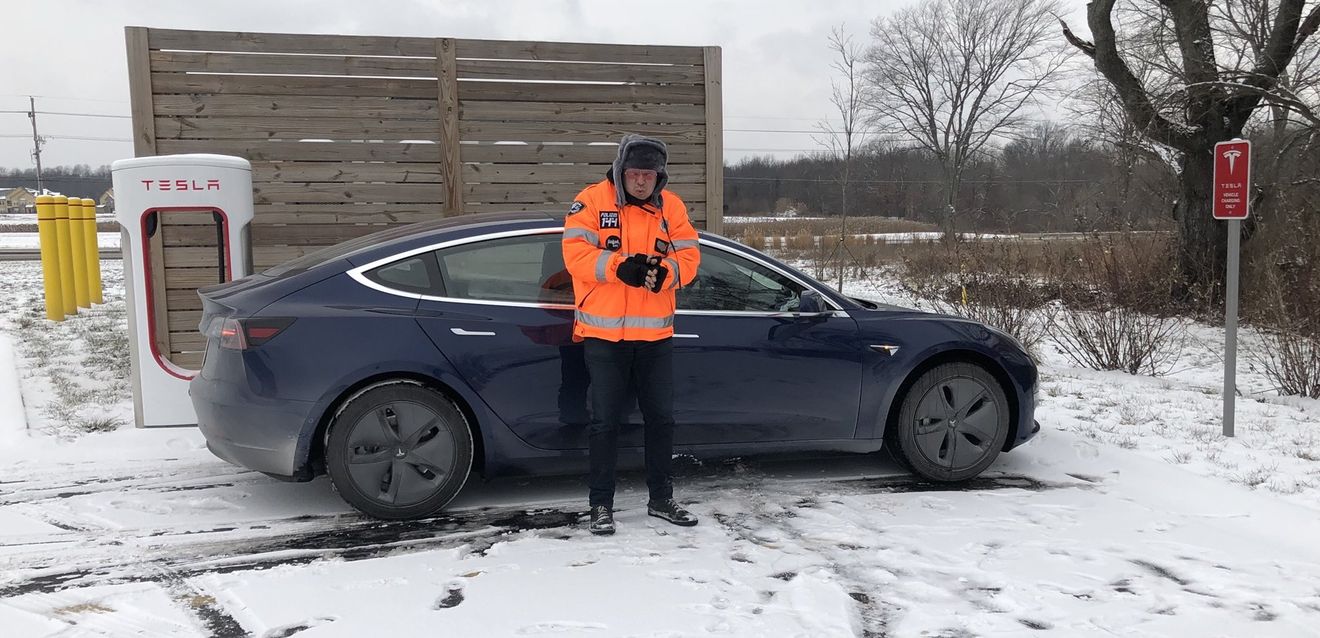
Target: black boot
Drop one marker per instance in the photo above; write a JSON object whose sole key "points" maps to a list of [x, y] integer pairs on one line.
{"points": [[670, 511], [602, 520]]}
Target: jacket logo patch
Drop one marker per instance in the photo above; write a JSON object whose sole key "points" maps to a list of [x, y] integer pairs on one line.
{"points": [[609, 219], [577, 206], [662, 246], [613, 243]]}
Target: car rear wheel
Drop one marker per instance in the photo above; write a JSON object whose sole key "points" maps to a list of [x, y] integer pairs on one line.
{"points": [[952, 424], [399, 451]]}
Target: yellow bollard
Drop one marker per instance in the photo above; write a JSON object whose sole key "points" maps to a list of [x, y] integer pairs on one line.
{"points": [[78, 252], [69, 303], [50, 258], [93, 253]]}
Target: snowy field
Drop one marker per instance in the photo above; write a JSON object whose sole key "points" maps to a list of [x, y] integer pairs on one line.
{"points": [[1128, 515], [33, 240]]}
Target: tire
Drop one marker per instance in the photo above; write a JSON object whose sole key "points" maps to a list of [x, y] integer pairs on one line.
{"points": [[952, 424], [399, 451]]}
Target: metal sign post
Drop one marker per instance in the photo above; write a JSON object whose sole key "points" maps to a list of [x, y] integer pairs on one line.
{"points": [[1231, 201]]}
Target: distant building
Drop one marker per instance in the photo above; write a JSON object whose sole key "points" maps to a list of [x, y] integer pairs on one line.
{"points": [[18, 200], [106, 203]]}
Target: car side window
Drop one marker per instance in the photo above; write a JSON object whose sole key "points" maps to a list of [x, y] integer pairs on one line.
{"points": [[526, 269], [417, 274], [726, 281]]}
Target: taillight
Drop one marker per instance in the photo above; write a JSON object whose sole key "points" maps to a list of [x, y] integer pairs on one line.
{"points": [[231, 335], [242, 334]]}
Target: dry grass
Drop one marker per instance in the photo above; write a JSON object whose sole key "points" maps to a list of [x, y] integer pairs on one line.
{"points": [[823, 227]]}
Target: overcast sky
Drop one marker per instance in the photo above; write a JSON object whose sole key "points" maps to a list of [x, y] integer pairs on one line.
{"points": [[70, 54]]}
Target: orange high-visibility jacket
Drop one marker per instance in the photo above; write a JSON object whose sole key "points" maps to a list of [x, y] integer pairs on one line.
{"points": [[598, 236]]}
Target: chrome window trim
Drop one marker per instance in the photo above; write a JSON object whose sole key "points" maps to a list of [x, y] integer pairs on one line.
{"points": [[358, 274]]}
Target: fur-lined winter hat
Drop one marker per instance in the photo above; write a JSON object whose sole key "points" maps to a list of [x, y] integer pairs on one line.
{"points": [[637, 151]]}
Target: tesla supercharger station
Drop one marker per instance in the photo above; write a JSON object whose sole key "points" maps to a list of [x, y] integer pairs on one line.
{"points": [[205, 190]]}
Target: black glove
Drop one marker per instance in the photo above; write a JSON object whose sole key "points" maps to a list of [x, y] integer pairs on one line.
{"points": [[632, 271], [660, 273]]}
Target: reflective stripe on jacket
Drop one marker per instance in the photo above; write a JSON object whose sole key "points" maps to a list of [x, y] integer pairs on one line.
{"points": [[598, 236]]}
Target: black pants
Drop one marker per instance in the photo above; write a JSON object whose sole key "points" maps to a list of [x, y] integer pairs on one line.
{"points": [[647, 367]]}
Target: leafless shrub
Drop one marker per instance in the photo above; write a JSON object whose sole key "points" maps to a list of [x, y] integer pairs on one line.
{"points": [[1289, 352], [1117, 312], [803, 240], [999, 283], [754, 237], [825, 226], [1119, 339]]}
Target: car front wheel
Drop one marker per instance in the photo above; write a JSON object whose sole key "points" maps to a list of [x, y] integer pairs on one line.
{"points": [[399, 451], [952, 424]]}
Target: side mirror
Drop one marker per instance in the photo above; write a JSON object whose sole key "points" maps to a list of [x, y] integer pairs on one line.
{"points": [[810, 303]]}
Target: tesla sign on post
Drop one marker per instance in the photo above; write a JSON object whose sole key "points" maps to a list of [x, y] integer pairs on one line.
{"points": [[1231, 201]]}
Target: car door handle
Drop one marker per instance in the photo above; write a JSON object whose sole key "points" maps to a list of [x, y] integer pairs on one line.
{"points": [[471, 333], [681, 335]]}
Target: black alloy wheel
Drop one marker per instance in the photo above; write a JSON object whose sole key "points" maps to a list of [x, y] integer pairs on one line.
{"points": [[952, 424], [399, 451]]}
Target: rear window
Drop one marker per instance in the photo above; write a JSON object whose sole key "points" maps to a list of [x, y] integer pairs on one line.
{"points": [[417, 274]]}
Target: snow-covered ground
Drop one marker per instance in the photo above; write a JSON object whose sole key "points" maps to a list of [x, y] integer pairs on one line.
{"points": [[33, 240], [1128, 515]]}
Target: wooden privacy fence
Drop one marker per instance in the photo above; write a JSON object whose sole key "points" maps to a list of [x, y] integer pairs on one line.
{"points": [[350, 134]]}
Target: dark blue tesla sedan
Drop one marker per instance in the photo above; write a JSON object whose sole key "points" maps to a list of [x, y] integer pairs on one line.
{"points": [[402, 361]]}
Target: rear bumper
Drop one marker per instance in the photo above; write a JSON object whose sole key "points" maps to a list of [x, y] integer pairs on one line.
{"points": [[258, 433]]}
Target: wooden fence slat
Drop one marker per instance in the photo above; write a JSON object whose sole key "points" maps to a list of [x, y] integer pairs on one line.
{"points": [[578, 52], [564, 173], [190, 84], [182, 300], [280, 64], [450, 135], [187, 342], [264, 257], [556, 153], [294, 128], [715, 139], [346, 213], [184, 320], [564, 112], [311, 234], [394, 172], [139, 89], [191, 278], [198, 236], [574, 72], [192, 257], [188, 40], [294, 106], [307, 151], [583, 132], [309, 192], [696, 210], [598, 93], [200, 217], [553, 193], [187, 360]]}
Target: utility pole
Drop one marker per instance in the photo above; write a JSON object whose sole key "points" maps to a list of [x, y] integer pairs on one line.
{"points": [[36, 140]]}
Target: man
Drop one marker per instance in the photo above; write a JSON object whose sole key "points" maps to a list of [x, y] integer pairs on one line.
{"points": [[629, 245]]}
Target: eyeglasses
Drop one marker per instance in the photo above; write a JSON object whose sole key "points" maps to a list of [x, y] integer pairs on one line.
{"points": [[640, 173]]}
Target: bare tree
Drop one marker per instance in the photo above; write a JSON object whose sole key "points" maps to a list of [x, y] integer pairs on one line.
{"points": [[1245, 29], [846, 97], [1196, 100], [955, 75]]}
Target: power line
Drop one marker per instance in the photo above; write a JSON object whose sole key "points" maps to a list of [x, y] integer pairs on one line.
{"points": [[57, 97], [89, 139], [125, 117]]}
